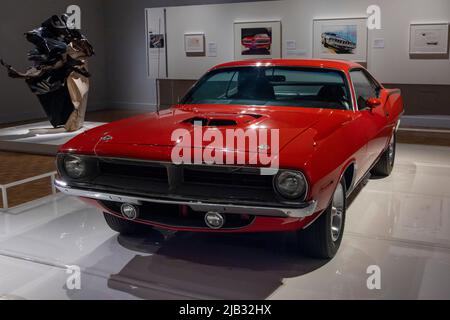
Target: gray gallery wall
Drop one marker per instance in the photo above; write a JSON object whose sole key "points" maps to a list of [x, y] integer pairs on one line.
{"points": [[128, 84], [18, 16]]}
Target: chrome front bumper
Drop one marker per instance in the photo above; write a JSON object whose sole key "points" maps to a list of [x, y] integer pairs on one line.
{"points": [[306, 211]]}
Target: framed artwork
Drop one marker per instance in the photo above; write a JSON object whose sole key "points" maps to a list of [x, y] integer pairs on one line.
{"points": [[257, 40], [194, 44], [342, 39], [428, 39]]}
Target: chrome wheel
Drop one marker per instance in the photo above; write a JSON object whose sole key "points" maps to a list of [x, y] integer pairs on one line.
{"points": [[337, 213]]}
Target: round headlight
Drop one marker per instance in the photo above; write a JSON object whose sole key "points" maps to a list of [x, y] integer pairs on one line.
{"points": [[290, 184], [75, 167]]}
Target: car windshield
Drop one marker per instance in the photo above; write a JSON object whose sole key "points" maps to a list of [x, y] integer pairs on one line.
{"points": [[274, 86]]}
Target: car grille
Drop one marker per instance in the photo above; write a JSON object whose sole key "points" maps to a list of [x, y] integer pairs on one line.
{"points": [[135, 170], [205, 177], [198, 182]]}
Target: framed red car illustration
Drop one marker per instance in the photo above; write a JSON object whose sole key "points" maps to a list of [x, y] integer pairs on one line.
{"points": [[258, 41], [336, 125]]}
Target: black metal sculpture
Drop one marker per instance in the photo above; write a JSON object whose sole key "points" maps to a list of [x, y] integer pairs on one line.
{"points": [[59, 75]]}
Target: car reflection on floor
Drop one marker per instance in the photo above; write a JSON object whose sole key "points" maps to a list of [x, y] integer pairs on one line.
{"points": [[209, 266]]}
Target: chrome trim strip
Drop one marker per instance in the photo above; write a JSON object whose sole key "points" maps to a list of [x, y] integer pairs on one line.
{"points": [[307, 211], [398, 125]]}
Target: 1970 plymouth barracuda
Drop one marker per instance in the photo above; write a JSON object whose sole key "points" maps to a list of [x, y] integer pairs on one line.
{"points": [[332, 124]]}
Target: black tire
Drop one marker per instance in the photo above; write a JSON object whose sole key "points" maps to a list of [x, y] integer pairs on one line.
{"points": [[317, 240], [385, 164], [125, 227]]}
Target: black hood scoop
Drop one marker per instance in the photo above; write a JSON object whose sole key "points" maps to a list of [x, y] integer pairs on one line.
{"points": [[221, 120]]}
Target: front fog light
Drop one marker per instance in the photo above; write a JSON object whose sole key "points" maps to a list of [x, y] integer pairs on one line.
{"points": [[290, 184], [75, 167], [214, 220]]}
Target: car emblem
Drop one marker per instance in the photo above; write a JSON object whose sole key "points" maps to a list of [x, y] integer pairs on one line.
{"points": [[107, 138]]}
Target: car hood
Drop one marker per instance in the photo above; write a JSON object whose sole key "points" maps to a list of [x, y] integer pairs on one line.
{"points": [[157, 129]]}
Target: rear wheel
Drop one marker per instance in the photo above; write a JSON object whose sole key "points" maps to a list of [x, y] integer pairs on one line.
{"points": [[125, 227], [323, 238], [385, 164]]}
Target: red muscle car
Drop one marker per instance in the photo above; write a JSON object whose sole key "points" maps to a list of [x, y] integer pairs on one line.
{"points": [[258, 41], [336, 125]]}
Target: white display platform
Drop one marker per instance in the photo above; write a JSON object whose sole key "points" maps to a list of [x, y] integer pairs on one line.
{"points": [[42, 133], [39, 137]]}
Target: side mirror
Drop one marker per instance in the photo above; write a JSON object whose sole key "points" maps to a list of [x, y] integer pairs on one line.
{"points": [[373, 103]]}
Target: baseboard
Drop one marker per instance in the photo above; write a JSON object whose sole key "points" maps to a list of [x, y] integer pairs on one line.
{"points": [[432, 121], [128, 105]]}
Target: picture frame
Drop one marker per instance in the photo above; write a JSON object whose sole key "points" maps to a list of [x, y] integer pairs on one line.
{"points": [[341, 39], [257, 40], [156, 46], [194, 44], [429, 39]]}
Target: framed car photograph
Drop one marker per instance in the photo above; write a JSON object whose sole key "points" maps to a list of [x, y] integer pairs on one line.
{"points": [[428, 39], [256, 40], [194, 44], [342, 39]]}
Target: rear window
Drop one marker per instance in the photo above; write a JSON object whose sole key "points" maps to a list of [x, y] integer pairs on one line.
{"points": [[277, 86]]}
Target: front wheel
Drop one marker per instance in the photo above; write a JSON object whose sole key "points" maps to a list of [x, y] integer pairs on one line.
{"points": [[323, 238], [385, 164]]}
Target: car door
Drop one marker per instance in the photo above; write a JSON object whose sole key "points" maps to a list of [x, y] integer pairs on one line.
{"points": [[372, 121]]}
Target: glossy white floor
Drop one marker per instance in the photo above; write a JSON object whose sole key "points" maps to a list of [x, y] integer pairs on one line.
{"points": [[401, 224]]}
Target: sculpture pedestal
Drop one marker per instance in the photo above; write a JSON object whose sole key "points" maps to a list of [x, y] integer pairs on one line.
{"points": [[38, 138]]}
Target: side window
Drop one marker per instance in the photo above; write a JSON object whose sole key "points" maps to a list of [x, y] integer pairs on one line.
{"points": [[364, 88]]}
